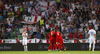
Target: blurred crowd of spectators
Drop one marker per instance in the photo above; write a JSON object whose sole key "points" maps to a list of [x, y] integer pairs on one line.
{"points": [[72, 17], [11, 12]]}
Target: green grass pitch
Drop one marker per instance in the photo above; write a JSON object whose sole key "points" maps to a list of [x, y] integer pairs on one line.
{"points": [[51, 52]]}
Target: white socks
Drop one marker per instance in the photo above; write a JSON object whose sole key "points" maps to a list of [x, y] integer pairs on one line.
{"points": [[89, 45], [25, 48], [93, 46]]}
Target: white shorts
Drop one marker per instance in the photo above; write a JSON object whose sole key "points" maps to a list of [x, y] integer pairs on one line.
{"points": [[92, 40], [24, 42]]}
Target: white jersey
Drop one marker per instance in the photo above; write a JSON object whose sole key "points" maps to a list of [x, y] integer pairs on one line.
{"points": [[92, 32], [24, 36], [57, 12]]}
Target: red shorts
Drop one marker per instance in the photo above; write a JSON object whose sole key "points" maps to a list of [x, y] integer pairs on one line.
{"points": [[59, 40], [52, 41]]}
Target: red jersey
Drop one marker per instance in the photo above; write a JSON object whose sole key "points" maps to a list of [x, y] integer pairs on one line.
{"points": [[51, 35], [80, 36], [75, 35], [61, 38], [58, 34], [70, 35]]}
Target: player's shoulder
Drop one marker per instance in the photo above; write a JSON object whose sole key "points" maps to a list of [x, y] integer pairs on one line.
{"points": [[92, 30]]}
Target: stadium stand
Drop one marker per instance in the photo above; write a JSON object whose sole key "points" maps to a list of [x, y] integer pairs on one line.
{"points": [[72, 17]]}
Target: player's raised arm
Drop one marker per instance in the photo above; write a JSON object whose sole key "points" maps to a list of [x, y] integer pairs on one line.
{"points": [[26, 34], [48, 34]]}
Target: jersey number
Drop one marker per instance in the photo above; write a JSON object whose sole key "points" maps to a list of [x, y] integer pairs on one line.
{"points": [[57, 33], [91, 33]]}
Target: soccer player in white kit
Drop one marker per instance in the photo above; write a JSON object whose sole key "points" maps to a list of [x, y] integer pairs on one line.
{"points": [[25, 35], [92, 38]]}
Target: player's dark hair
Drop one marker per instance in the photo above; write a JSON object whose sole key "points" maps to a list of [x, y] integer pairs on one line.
{"points": [[58, 30], [92, 26], [52, 30]]}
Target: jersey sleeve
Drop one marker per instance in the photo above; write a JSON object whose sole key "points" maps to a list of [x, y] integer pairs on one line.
{"points": [[89, 32], [94, 32], [48, 33]]}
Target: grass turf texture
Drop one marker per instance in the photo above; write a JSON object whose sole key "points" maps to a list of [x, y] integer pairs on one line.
{"points": [[51, 52]]}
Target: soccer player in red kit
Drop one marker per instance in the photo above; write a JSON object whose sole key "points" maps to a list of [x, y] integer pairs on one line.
{"points": [[54, 41], [51, 38], [58, 40], [61, 42]]}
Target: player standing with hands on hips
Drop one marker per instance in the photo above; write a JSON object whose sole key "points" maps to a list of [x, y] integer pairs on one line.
{"points": [[92, 38], [25, 36]]}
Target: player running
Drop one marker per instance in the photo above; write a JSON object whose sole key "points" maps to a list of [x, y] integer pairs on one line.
{"points": [[51, 38], [25, 35], [92, 38]]}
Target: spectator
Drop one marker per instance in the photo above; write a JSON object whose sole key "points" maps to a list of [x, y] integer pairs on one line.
{"points": [[1, 36], [9, 29], [80, 29], [1, 17], [71, 29], [86, 32], [72, 16], [6, 34], [96, 27], [70, 35], [75, 34], [81, 35], [42, 35], [17, 39], [38, 34], [41, 22]]}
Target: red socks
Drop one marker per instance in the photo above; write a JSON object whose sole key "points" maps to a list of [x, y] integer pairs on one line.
{"points": [[56, 46], [63, 46], [50, 47], [59, 46]]}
